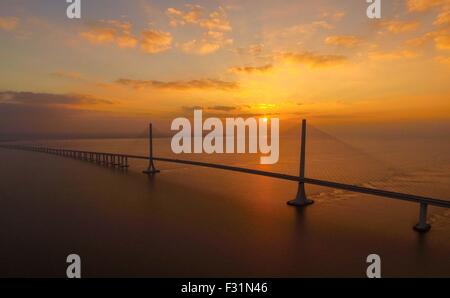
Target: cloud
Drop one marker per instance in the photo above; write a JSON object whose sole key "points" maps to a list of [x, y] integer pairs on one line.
{"points": [[306, 28], [204, 84], [214, 24], [251, 69], [397, 27], [210, 44], [348, 41], [31, 98], [336, 15], [111, 32], [202, 46], [119, 33], [155, 41], [223, 108], [443, 18], [392, 55], [8, 23], [320, 25], [190, 109], [313, 59], [424, 5], [216, 21], [441, 39], [181, 18], [221, 111], [252, 50], [296, 34], [442, 42], [419, 41]]}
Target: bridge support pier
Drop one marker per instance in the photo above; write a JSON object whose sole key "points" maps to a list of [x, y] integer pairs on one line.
{"points": [[422, 226], [110, 160], [151, 170], [301, 198], [123, 162]]}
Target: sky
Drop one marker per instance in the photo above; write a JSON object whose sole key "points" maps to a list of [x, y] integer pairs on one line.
{"points": [[125, 63]]}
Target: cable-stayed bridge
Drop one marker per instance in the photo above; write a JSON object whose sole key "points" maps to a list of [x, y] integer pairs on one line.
{"points": [[121, 161]]}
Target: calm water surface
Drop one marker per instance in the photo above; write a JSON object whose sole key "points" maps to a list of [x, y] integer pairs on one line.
{"points": [[191, 221]]}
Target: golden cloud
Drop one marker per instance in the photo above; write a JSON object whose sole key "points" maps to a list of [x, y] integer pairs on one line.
{"points": [[250, 69], [441, 39], [392, 55], [314, 60], [111, 32], [399, 26], [203, 84], [155, 41], [306, 28], [336, 16], [200, 47], [181, 18], [252, 50], [216, 24], [8, 23], [424, 5], [204, 46], [220, 111], [223, 108], [443, 18], [343, 40], [442, 42], [215, 21]]}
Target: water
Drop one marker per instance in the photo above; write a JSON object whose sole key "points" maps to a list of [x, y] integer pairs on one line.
{"points": [[413, 165], [192, 221]]}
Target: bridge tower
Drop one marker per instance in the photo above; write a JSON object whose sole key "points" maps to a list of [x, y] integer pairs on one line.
{"points": [[151, 170], [301, 198]]}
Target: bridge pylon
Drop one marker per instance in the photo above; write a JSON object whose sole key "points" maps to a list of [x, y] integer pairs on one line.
{"points": [[151, 170], [301, 198]]}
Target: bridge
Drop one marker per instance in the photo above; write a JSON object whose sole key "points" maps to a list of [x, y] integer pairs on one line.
{"points": [[301, 200]]}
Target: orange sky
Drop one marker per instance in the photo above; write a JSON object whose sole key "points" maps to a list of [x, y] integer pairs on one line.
{"points": [[323, 60]]}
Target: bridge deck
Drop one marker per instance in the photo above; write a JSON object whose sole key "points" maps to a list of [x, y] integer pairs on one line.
{"points": [[336, 185]]}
